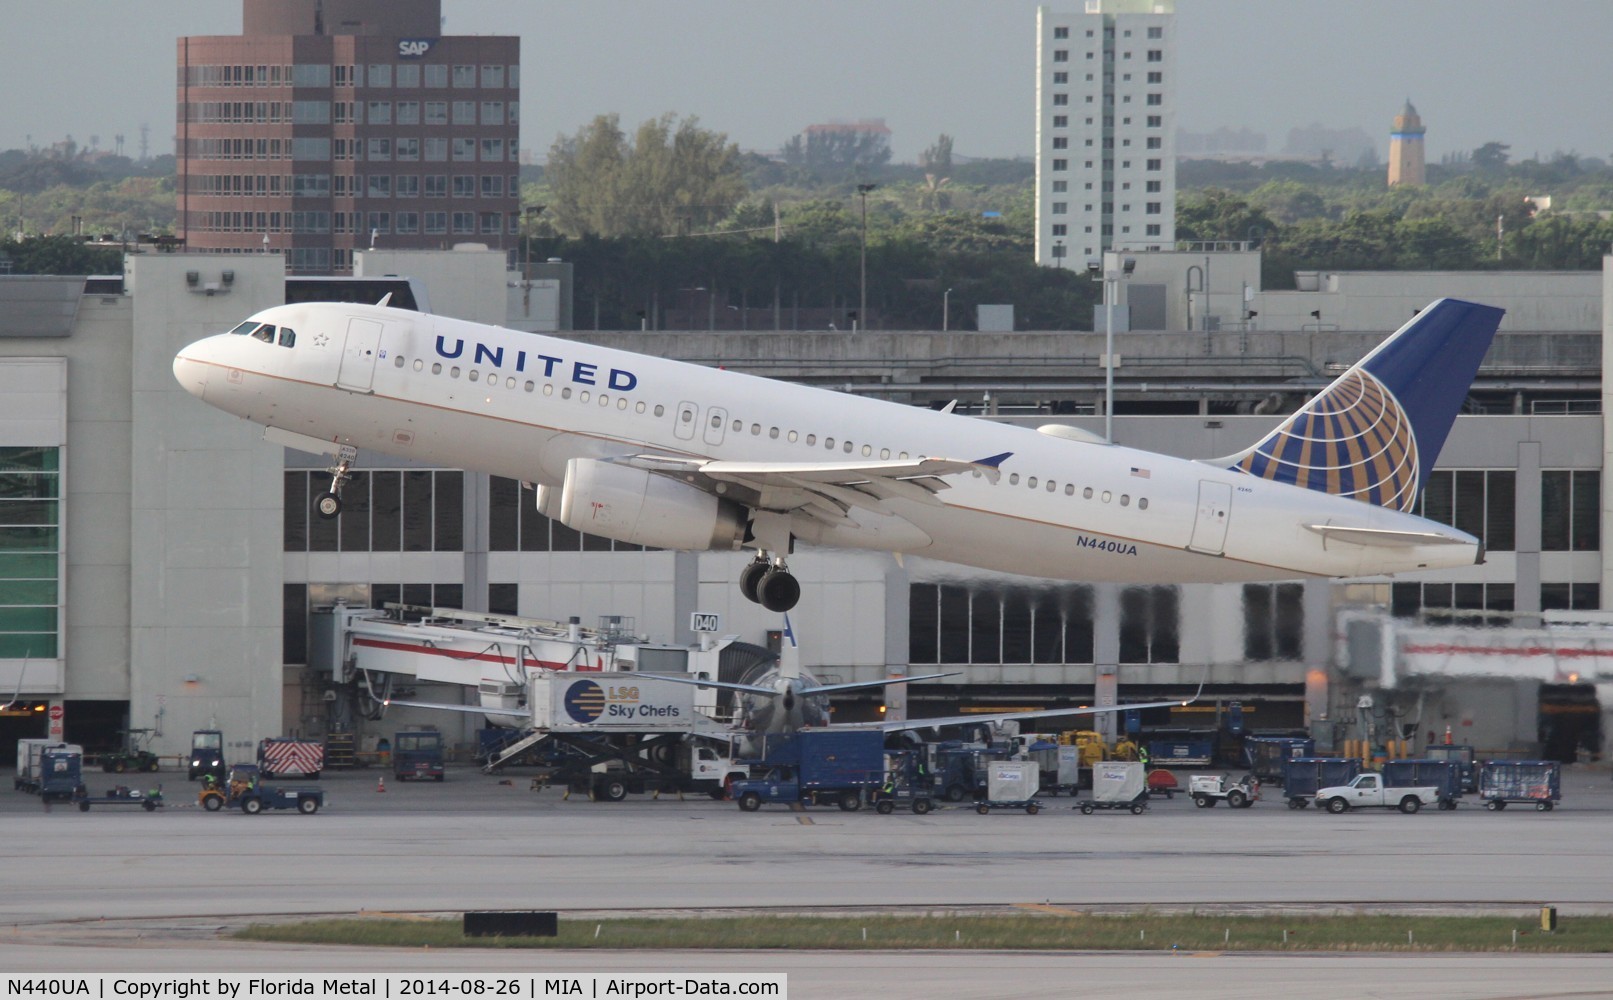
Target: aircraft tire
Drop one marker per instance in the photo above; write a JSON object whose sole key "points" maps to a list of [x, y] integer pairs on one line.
{"points": [[328, 505], [778, 590], [750, 578]]}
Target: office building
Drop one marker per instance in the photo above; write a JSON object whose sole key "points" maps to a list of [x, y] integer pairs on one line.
{"points": [[1105, 130], [334, 125]]}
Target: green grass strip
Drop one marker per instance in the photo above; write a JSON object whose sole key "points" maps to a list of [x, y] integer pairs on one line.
{"points": [[1029, 931]]}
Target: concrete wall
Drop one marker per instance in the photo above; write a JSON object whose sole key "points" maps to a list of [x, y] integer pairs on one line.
{"points": [[206, 518]]}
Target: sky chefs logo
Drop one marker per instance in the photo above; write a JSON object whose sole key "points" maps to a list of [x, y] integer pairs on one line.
{"points": [[578, 372], [585, 701]]}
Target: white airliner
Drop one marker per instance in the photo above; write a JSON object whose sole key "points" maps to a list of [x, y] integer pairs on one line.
{"points": [[672, 455]]}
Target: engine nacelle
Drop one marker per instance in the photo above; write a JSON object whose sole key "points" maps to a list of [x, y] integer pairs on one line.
{"points": [[632, 505]]}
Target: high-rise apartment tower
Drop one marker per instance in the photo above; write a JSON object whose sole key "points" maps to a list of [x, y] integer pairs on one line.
{"points": [[1105, 130], [333, 125]]}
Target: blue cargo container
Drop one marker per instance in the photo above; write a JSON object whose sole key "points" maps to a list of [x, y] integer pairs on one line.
{"points": [[1303, 776], [816, 767], [1537, 781], [1462, 755], [1180, 753], [1445, 775], [1265, 754]]}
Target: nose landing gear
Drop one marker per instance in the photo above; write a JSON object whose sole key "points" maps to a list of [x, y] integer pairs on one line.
{"points": [[329, 504], [769, 583]]}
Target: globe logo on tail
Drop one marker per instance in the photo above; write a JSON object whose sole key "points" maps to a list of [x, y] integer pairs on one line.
{"points": [[1354, 440]]}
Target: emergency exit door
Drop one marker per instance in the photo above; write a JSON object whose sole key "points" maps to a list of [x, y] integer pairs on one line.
{"points": [[358, 355], [1210, 524]]}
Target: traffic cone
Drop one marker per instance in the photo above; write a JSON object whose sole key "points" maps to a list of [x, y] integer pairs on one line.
{"points": [[380, 783], [1447, 735]]}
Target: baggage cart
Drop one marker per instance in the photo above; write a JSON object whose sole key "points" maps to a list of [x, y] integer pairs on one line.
{"points": [[1302, 776], [122, 795], [1504, 781], [1011, 784], [1117, 784], [1265, 754]]}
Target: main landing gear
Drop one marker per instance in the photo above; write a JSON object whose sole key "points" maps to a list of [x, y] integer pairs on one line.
{"points": [[769, 583], [329, 504]]}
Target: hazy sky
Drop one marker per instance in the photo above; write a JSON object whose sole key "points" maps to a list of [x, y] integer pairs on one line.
{"points": [[1528, 74]]}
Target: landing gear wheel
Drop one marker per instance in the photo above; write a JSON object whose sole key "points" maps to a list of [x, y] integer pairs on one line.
{"points": [[751, 577], [328, 505], [778, 590]]}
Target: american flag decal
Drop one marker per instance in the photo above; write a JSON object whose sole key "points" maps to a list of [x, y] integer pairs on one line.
{"points": [[1140, 473]]}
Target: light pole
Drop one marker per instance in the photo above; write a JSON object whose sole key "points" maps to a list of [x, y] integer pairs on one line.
{"points": [[862, 301], [946, 308], [1111, 287]]}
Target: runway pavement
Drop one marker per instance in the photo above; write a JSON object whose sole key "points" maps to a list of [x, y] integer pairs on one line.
{"points": [[168, 882]]}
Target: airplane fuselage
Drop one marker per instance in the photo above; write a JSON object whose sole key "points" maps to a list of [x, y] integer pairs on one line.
{"points": [[521, 405]]}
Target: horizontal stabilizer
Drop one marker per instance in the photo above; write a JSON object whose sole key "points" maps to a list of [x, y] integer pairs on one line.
{"points": [[1384, 538], [1043, 713], [865, 685]]}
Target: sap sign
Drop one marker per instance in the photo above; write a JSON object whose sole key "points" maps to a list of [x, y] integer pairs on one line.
{"points": [[414, 48]]}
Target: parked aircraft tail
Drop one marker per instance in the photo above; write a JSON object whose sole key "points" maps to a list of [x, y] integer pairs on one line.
{"points": [[1375, 432]]}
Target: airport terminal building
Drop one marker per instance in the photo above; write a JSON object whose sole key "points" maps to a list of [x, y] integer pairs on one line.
{"points": [[161, 558]]}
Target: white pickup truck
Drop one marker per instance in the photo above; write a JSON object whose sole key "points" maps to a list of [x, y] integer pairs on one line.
{"points": [[1368, 790]]}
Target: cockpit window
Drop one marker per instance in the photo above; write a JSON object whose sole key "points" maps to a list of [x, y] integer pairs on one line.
{"points": [[246, 328], [264, 333], [288, 338]]}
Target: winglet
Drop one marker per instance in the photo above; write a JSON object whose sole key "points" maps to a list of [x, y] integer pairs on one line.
{"points": [[994, 460]]}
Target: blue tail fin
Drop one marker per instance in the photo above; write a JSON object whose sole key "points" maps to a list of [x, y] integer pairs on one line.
{"points": [[1375, 432]]}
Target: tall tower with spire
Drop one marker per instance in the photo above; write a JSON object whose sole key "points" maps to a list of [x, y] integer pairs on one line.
{"points": [[1406, 148]]}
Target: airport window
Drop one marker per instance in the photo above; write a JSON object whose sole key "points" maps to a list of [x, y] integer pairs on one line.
{"points": [[955, 624], [1156, 32], [30, 552], [1061, 32], [464, 76], [436, 75], [464, 112], [1570, 596], [1156, 77], [1061, 77], [1150, 625], [1408, 600], [1155, 121], [1060, 187], [492, 76], [408, 112], [1273, 621], [1156, 55], [436, 222], [1155, 99], [1060, 100], [1061, 121], [1570, 503], [1062, 55], [493, 186], [464, 149], [1061, 164], [408, 75], [1152, 230], [382, 511], [378, 112], [1060, 142], [1481, 503], [436, 112], [380, 75]]}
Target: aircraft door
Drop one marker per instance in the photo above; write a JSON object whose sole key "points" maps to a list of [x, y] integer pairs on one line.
{"points": [[683, 424], [716, 419], [358, 355], [1210, 524]]}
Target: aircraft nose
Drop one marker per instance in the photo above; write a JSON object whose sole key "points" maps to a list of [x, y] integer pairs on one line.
{"points": [[191, 373]]}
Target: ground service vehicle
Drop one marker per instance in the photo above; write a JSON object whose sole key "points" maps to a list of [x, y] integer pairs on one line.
{"points": [[284, 756], [1463, 756], [1118, 784], [207, 754], [903, 785], [1011, 784], [132, 757], [29, 752], [1504, 781], [123, 795], [417, 754], [1444, 775], [1368, 790], [305, 800], [61, 774], [1302, 776], [815, 767], [1265, 754], [1208, 789], [959, 769], [216, 794]]}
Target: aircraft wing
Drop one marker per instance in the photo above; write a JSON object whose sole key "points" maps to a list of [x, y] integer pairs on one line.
{"points": [[468, 709], [1385, 538], [1043, 713], [825, 489]]}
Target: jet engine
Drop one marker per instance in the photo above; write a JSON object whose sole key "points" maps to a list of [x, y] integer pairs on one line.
{"points": [[632, 505]]}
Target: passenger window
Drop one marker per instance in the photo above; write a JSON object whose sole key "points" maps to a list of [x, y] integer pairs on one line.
{"points": [[397, 363], [1069, 489], [847, 448], [509, 383], [419, 365], [739, 425], [1086, 494], [565, 393], [659, 409], [791, 437], [829, 443], [772, 432], [474, 375], [453, 372], [582, 396], [811, 440], [548, 390], [1051, 486], [621, 403], [716, 422], [529, 385], [1013, 479], [638, 407], [436, 368], [1107, 496], [868, 451], [1142, 503], [755, 430], [1031, 482], [1125, 499], [884, 454]]}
